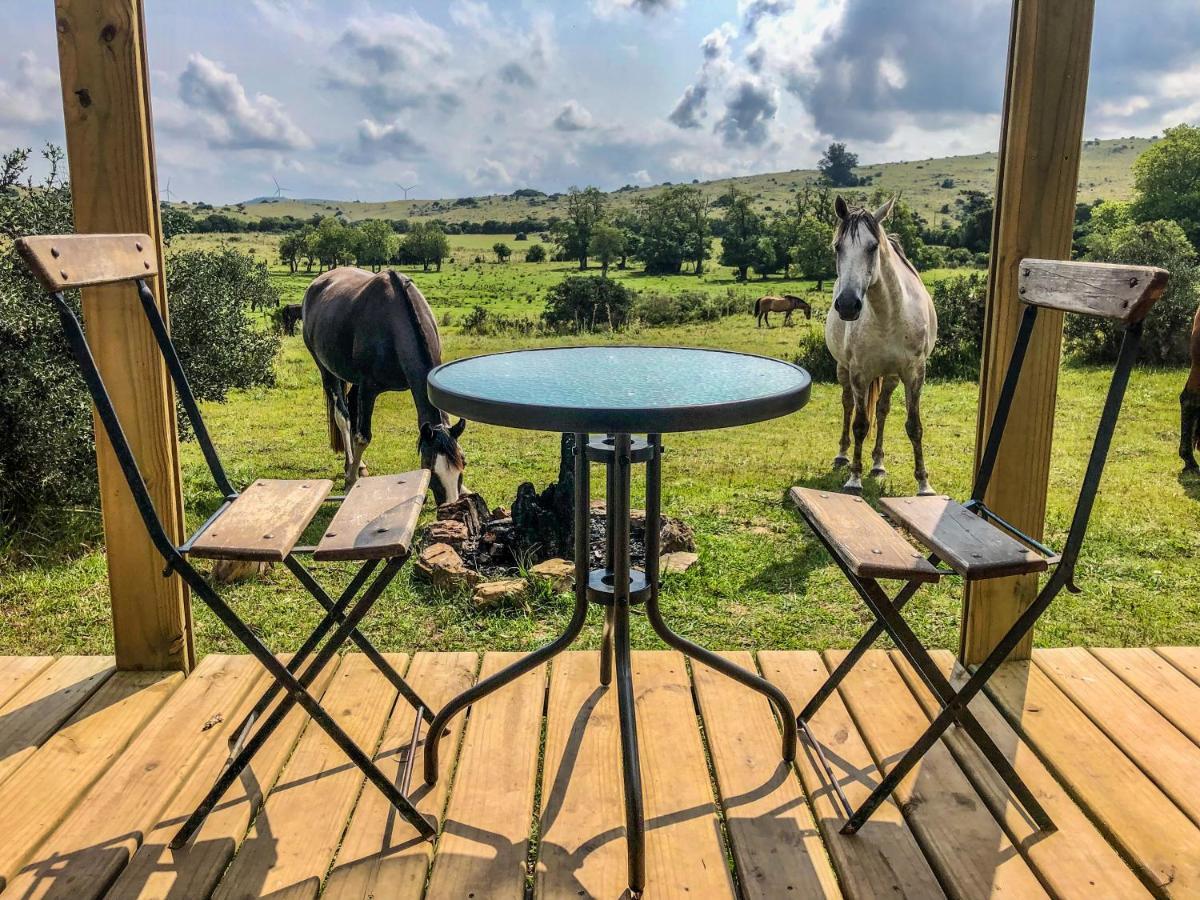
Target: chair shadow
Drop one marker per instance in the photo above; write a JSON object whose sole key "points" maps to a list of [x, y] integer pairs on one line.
{"points": [[46, 715]]}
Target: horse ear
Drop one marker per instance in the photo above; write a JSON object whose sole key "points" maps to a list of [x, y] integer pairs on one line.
{"points": [[426, 431], [881, 214], [839, 207], [459, 427]]}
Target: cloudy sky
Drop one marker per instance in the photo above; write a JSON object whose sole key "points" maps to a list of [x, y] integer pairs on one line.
{"points": [[349, 99]]}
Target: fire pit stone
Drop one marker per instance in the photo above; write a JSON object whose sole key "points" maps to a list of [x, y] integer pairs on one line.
{"points": [[442, 567], [493, 593], [559, 572]]}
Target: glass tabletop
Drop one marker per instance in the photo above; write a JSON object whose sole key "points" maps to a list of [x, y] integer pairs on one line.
{"points": [[619, 388]]}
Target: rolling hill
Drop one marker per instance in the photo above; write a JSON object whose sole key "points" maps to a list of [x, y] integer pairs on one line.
{"points": [[931, 186]]}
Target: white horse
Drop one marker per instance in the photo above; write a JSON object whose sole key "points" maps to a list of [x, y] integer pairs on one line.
{"points": [[881, 329]]}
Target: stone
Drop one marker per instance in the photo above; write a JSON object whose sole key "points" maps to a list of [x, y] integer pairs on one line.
{"points": [[470, 509], [675, 536], [493, 593], [559, 572], [231, 571], [447, 531], [501, 512], [677, 562], [442, 567]]}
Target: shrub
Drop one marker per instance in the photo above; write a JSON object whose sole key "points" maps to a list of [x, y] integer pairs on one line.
{"points": [[484, 322], [535, 254], [685, 307], [959, 302], [47, 460], [581, 303], [814, 357], [1167, 328]]}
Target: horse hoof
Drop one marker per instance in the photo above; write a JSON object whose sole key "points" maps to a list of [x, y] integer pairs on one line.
{"points": [[924, 490], [853, 487], [840, 462], [878, 472]]}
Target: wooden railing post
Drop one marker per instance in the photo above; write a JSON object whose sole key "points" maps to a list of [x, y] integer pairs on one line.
{"points": [[1041, 141], [114, 188]]}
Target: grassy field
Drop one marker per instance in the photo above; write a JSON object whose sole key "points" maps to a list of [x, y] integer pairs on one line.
{"points": [[1104, 174], [758, 566]]}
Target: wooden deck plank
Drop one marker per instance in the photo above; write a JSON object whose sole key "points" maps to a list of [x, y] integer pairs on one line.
{"points": [[71, 760], [485, 836], [684, 851], [1151, 830], [295, 836], [380, 855], [582, 846], [1166, 688], [156, 871], [1185, 659], [84, 855], [883, 859], [771, 830], [1156, 746], [17, 671], [45, 702], [1074, 860], [966, 846]]}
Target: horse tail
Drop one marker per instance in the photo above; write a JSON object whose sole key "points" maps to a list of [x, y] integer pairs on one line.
{"points": [[873, 392], [757, 305]]}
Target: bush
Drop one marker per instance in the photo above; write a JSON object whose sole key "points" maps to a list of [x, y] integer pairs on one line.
{"points": [[685, 307], [814, 357], [959, 302], [1169, 325], [579, 303], [484, 322], [535, 254], [47, 462]]}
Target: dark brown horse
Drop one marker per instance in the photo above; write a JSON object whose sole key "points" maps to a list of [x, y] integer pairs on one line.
{"points": [[1189, 406], [373, 333], [787, 304], [290, 317]]}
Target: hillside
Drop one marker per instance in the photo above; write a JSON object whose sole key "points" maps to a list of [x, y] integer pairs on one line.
{"points": [[1105, 173]]}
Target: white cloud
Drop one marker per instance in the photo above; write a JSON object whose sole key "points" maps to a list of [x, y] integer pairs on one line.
{"points": [[573, 117], [32, 96], [234, 119], [379, 141], [491, 175], [607, 9]]}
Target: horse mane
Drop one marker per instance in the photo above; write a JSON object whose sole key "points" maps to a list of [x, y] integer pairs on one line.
{"points": [[859, 217], [444, 443]]}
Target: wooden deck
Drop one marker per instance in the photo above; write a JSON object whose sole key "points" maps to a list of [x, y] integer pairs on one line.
{"points": [[98, 768]]}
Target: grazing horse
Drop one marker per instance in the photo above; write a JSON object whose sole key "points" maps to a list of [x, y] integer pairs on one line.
{"points": [[290, 317], [376, 333], [881, 329], [1189, 406], [764, 306]]}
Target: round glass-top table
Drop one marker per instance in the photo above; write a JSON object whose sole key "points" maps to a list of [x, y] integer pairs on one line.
{"points": [[601, 397]]}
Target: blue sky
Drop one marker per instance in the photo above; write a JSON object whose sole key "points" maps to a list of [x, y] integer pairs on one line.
{"points": [[348, 99]]}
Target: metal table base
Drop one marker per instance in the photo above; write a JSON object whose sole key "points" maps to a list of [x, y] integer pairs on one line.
{"points": [[617, 587]]}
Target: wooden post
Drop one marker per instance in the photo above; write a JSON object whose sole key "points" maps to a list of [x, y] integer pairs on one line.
{"points": [[114, 187], [1041, 140]]}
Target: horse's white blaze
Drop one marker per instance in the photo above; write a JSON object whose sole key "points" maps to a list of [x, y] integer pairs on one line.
{"points": [[447, 475]]}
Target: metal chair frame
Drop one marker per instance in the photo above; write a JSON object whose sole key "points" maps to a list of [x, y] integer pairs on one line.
{"points": [[342, 616], [887, 609]]}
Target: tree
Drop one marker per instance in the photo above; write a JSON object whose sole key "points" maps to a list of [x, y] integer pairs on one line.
{"points": [[427, 244], [626, 220], [1166, 178], [693, 211], [334, 242], [763, 257], [291, 248], [502, 251], [607, 245], [535, 254], [585, 210], [837, 165], [175, 222], [672, 226], [742, 227], [975, 228], [376, 243], [580, 303], [812, 251], [308, 240]]}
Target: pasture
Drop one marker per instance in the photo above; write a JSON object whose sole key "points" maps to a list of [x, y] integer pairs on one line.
{"points": [[761, 581]]}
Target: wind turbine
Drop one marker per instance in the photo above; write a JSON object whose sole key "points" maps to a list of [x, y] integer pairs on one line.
{"points": [[412, 187], [279, 191], [167, 191]]}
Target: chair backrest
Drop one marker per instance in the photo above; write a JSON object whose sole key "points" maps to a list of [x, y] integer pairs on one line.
{"points": [[1103, 290], [62, 262], [66, 261]]}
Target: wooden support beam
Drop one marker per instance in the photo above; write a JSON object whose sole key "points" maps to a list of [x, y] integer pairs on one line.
{"points": [[1041, 138], [110, 149]]}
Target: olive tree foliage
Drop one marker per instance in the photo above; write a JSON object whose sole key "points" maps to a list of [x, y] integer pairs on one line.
{"points": [[837, 165], [502, 251], [607, 246], [742, 228], [425, 243], [376, 242], [573, 235], [1166, 178], [47, 455]]}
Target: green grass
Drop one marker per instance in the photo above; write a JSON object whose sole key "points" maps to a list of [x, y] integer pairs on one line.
{"points": [[762, 580], [1104, 173]]}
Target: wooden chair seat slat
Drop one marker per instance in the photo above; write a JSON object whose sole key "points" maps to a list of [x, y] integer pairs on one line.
{"points": [[862, 537], [265, 522], [377, 519], [971, 546]]}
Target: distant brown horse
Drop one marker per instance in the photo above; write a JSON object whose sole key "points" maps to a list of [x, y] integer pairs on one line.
{"points": [[764, 306], [1189, 406]]}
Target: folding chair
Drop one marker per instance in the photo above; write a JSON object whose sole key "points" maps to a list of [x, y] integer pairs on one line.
{"points": [[373, 524], [972, 540]]}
